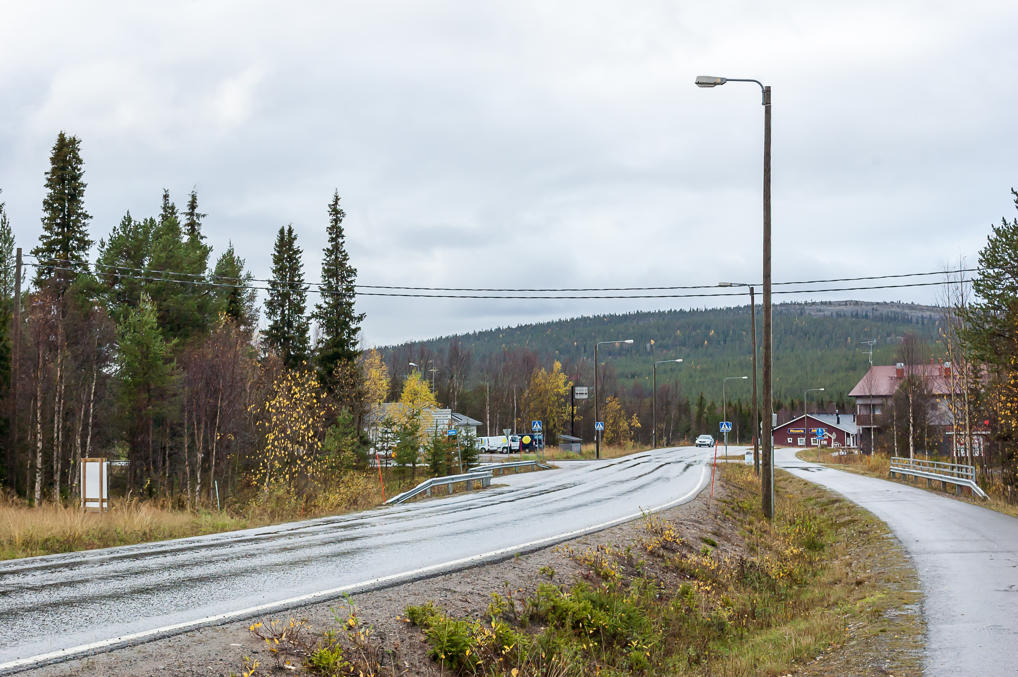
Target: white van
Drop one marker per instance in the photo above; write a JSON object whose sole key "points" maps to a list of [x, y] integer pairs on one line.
{"points": [[498, 444]]}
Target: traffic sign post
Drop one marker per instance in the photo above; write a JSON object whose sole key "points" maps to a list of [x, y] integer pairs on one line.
{"points": [[821, 433], [726, 427]]}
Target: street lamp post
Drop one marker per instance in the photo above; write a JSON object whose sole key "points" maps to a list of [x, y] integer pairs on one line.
{"points": [[597, 433], [756, 399], [767, 480], [653, 401], [421, 369], [724, 403], [805, 416]]}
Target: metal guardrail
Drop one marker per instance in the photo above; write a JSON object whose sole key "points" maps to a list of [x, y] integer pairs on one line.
{"points": [[516, 466], [425, 487], [937, 471]]}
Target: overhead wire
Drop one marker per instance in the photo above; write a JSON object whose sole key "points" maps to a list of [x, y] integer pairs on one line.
{"points": [[529, 296], [205, 279]]}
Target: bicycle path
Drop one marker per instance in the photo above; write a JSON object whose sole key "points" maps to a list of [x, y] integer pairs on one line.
{"points": [[967, 560]]}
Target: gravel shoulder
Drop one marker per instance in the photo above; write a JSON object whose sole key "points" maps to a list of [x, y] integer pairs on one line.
{"points": [[889, 644]]}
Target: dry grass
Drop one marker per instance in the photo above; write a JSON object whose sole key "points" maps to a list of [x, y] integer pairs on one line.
{"points": [[878, 465], [53, 528], [588, 452]]}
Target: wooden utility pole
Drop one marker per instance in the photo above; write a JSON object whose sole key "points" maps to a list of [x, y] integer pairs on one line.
{"points": [[768, 392], [15, 350]]}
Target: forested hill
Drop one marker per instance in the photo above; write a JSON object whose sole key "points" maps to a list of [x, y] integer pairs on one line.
{"points": [[815, 344]]}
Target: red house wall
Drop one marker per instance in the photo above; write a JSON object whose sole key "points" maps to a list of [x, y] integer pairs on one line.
{"points": [[784, 431]]}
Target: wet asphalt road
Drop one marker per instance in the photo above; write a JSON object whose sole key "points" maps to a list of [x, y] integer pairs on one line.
{"points": [[967, 560], [62, 605]]}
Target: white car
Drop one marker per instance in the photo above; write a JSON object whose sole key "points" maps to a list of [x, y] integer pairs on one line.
{"points": [[705, 441]]}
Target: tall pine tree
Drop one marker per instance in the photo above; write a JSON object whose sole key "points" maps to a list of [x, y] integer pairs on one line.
{"points": [[287, 333], [338, 322], [64, 242]]}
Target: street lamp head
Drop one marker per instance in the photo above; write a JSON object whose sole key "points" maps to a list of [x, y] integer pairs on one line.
{"points": [[709, 81], [414, 364], [744, 377]]}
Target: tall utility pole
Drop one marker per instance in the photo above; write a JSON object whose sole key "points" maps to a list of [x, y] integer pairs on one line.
{"points": [[767, 481], [768, 401], [15, 352]]}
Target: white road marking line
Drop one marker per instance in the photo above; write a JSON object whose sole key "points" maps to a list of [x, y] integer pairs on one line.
{"points": [[176, 628]]}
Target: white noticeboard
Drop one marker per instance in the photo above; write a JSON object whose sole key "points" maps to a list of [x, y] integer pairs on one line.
{"points": [[95, 484], [580, 392]]}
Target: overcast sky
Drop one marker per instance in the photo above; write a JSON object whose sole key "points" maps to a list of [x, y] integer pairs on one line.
{"points": [[529, 144]]}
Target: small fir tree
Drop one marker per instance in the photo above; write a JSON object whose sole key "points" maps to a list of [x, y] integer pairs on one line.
{"points": [[235, 298]]}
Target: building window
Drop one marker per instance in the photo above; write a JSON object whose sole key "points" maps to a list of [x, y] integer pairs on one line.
{"points": [[789, 440], [876, 410]]}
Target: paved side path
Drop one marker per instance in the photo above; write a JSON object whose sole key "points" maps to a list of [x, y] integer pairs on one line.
{"points": [[967, 560]]}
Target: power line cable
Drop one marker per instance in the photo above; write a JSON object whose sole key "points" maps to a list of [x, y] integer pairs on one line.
{"points": [[207, 283], [198, 276]]}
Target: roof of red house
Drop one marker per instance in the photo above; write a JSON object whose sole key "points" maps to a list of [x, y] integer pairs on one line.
{"points": [[882, 380]]}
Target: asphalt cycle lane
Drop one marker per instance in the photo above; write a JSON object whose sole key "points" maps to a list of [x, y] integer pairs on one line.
{"points": [[61, 605], [967, 560]]}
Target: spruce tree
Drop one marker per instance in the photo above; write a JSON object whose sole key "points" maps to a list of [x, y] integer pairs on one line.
{"points": [[287, 333], [235, 298], [64, 242], [193, 218], [123, 257], [338, 321], [168, 210], [185, 306]]}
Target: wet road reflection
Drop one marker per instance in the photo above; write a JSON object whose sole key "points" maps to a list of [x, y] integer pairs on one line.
{"points": [[63, 601]]}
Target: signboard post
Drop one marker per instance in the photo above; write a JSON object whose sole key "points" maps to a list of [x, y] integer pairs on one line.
{"points": [[95, 485], [726, 427], [821, 433], [575, 393]]}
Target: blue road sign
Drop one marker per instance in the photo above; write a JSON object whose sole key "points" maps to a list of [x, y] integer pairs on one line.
{"points": [[536, 426], [821, 432], [452, 432], [726, 426], [598, 425]]}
